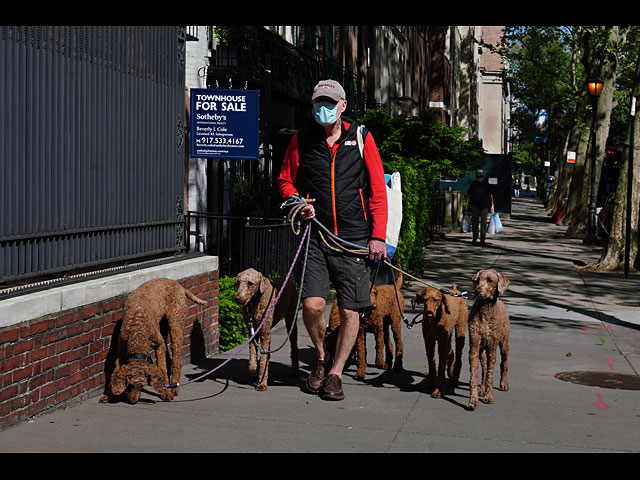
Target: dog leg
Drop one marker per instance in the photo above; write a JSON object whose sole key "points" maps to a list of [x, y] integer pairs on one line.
{"points": [[263, 366], [361, 353], [474, 352], [380, 347], [504, 365], [293, 339], [388, 345], [430, 347], [444, 348], [396, 327], [457, 367], [483, 375], [161, 361], [488, 385]]}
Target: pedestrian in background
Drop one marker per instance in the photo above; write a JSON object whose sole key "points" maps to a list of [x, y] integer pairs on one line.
{"points": [[480, 199], [516, 187]]}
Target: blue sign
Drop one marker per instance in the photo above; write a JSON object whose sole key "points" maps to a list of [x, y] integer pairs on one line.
{"points": [[225, 123]]}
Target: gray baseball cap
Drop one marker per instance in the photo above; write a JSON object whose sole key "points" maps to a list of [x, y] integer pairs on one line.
{"points": [[329, 88]]}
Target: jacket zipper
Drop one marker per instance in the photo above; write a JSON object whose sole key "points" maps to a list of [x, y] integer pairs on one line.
{"points": [[334, 152], [364, 208]]}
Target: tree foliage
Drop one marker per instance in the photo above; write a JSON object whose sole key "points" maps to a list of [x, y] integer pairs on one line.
{"points": [[548, 68]]}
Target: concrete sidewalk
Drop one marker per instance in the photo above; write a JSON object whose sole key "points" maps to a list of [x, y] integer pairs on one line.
{"points": [[562, 320]]}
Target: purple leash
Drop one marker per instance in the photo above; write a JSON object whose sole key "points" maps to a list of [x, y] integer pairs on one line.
{"points": [[250, 339]]}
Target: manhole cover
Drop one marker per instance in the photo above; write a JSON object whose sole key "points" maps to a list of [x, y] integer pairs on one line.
{"points": [[620, 381]]}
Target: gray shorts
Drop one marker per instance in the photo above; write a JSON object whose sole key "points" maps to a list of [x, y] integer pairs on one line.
{"points": [[348, 273]]}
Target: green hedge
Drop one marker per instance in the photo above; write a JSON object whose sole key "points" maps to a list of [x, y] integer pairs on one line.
{"points": [[231, 327]]}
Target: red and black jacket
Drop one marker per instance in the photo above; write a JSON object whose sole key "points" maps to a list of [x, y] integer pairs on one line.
{"points": [[349, 190]]}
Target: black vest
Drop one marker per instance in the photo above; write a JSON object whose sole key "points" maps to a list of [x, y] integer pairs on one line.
{"points": [[340, 185]]}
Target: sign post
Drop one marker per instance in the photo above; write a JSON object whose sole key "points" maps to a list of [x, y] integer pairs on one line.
{"points": [[225, 123]]}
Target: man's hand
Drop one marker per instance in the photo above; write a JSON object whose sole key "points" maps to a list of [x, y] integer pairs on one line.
{"points": [[308, 212], [377, 250]]}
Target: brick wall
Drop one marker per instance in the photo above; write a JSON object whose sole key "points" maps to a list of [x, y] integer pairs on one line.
{"points": [[63, 357]]}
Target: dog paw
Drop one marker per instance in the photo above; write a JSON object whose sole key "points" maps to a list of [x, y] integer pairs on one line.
{"points": [[487, 399], [473, 403], [261, 387], [358, 376], [382, 365], [436, 394], [167, 394], [104, 399], [504, 387]]}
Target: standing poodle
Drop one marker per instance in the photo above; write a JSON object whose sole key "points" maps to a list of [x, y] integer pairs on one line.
{"points": [[256, 294], [488, 330], [443, 313]]}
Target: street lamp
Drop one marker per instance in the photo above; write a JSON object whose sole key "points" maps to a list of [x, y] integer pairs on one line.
{"points": [[595, 85]]}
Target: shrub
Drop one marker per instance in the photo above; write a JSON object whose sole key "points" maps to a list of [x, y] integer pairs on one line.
{"points": [[231, 327]]}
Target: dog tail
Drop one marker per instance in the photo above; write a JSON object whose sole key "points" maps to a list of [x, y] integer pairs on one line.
{"points": [[194, 298]]}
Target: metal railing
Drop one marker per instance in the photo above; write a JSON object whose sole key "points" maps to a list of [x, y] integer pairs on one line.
{"points": [[92, 121], [242, 242]]}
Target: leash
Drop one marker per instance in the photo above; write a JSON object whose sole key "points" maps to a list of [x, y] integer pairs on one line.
{"points": [[341, 244]]}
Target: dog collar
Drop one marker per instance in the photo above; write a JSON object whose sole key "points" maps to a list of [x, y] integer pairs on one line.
{"points": [[141, 356]]}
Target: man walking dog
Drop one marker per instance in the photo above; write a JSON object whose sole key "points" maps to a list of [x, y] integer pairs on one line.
{"points": [[345, 191]]}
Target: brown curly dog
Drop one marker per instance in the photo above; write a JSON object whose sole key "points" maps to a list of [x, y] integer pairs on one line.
{"points": [[384, 315], [488, 330], [140, 333], [443, 313], [256, 293]]}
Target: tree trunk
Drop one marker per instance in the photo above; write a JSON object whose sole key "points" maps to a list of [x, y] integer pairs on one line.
{"points": [[576, 210], [613, 258], [560, 190], [582, 192]]}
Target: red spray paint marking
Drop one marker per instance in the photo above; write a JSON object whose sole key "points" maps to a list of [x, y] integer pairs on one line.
{"points": [[601, 404], [610, 364], [596, 328]]}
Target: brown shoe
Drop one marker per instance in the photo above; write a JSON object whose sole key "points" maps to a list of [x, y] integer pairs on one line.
{"points": [[332, 389], [315, 380]]}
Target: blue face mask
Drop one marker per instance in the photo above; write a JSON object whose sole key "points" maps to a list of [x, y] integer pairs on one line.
{"points": [[325, 113]]}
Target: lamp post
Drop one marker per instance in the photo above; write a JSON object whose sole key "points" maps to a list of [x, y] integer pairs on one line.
{"points": [[595, 85]]}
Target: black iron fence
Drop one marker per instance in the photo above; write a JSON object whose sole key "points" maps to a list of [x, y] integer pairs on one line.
{"points": [[92, 148], [268, 245]]}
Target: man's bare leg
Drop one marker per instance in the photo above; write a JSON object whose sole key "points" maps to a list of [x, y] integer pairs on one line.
{"points": [[315, 322], [349, 324]]}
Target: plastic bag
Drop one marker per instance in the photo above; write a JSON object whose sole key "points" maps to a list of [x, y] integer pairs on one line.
{"points": [[495, 224], [394, 202], [466, 224]]}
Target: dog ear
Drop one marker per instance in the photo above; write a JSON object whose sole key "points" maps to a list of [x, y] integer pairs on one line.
{"points": [[503, 283], [474, 279], [419, 298], [156, 378], [444, 301], [264, 283], [118, 382]]}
